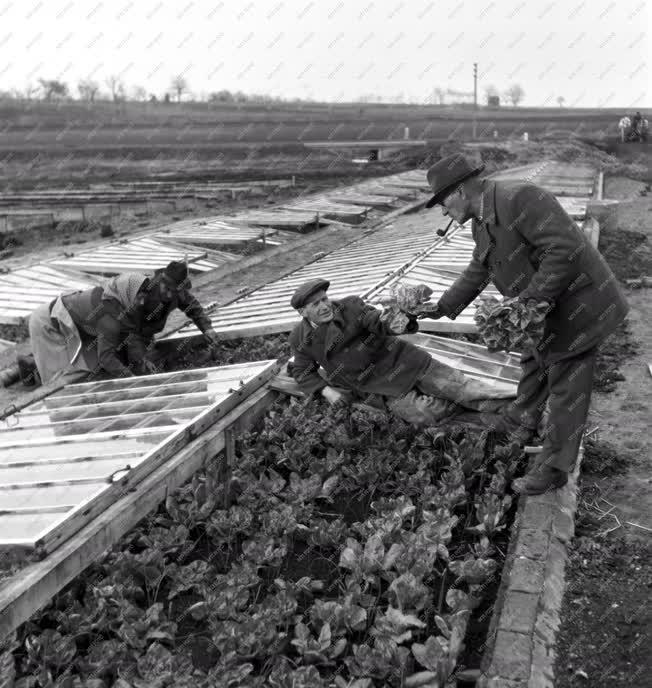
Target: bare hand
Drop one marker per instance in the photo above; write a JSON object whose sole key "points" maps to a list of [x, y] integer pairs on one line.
{"points": [[212, 336], [331, 395], [150, 368], [432, 311]]}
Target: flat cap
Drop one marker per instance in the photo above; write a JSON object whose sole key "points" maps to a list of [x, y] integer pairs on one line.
{"points": [[306, 290]]}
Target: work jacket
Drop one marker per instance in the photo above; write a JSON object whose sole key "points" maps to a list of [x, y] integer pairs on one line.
{"points": [[357, 351], [529, 247], [123, 334]]}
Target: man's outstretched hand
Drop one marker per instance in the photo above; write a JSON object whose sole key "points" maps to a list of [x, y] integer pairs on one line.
{"points": [[429, 310], [150, 368], [332, 395], [212, 336]]}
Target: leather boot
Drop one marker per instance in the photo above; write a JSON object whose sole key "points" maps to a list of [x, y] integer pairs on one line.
{"points": [[515, 431], [539, 480]]}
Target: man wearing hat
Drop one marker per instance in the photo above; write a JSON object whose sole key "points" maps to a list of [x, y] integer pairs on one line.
{"points": [[361, 355], [109, 329], [528, 246]]}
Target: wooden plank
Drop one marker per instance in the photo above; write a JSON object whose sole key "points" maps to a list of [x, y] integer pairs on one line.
{"points": [[34, 586], [367, 200]]}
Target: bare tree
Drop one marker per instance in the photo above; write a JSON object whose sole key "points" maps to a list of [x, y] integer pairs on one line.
{"points": [[30, 91], [515, 94], [179, 86], [490, 91], [53, 87], [88, 89], [116, 86], [139, 93], [561, 100], [223, 96]]}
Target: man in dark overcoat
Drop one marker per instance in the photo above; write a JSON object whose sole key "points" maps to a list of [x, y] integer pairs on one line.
{"points": [[527, 245], [360, 355]]}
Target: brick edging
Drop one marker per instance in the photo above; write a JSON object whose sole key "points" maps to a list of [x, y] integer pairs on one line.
{"points": [[522, 635]]}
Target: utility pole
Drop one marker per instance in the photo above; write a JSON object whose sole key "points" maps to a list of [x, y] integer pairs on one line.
{"points": [[475, 97]]}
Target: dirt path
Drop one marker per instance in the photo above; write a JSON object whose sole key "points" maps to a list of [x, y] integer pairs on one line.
{"points": [[607, 618]]}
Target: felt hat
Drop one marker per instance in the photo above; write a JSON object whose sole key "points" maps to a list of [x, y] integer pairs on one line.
{"points": [[306, 290], [446, 174], [176, 271]]}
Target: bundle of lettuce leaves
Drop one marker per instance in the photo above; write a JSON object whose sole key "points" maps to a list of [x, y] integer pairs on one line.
{"points": [[405, 303], [511, 324]]}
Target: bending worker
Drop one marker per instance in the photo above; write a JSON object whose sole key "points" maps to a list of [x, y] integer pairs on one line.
{"points": [[362, 356], [528, 246], [109, 329]]}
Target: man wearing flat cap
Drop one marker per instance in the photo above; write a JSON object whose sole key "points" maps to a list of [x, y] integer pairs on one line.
{"points": [[528, 246], [108, 330], [361, 356]]}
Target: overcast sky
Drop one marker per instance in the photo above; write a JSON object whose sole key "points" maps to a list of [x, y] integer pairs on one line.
{"points": [[594, 53]]}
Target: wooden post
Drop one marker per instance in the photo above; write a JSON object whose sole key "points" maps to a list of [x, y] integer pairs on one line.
{"points": [[229, 461]]}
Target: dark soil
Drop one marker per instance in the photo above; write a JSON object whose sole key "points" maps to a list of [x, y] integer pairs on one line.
{"points": [[604, 641], [196, 354], [607, 619], [628, 253], [601, 459], [616, 349]]}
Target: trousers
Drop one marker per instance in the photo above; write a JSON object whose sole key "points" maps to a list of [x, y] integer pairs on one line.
{"points": [[443, 393], [565, 387]]}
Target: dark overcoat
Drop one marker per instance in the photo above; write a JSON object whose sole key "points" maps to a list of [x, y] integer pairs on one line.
{"points": [[357, 351], [528, 246]]}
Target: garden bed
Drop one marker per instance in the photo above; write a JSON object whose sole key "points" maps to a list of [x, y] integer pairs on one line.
{"points": [[346, 549]]}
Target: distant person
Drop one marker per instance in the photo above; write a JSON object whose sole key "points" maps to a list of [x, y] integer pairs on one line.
{"points": [[635, 133], [644, 129], [109, 329], [624, 125], [361, 357]]}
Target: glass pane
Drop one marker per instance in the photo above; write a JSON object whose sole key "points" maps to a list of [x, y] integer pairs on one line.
{"points": [[84, 449], [40, 497], [25, 526], [97, 469]]}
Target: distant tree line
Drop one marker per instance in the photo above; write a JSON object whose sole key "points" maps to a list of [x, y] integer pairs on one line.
{"points": [[115, 89], [514, 95]]}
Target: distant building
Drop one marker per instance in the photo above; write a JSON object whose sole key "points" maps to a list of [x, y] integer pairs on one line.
{"points": [[493, 101]]}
